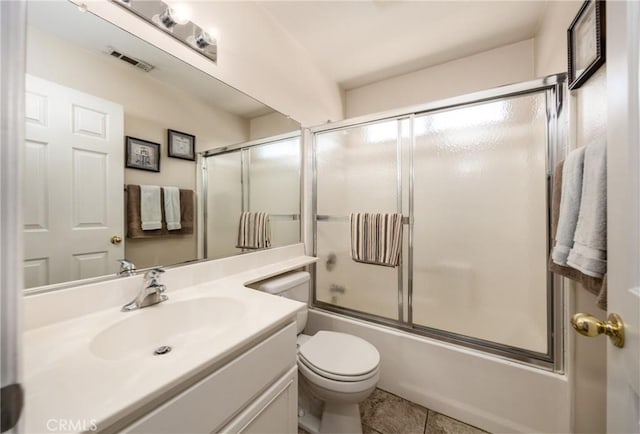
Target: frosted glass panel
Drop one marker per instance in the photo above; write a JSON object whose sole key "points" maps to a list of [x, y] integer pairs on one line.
{"points": [[258, 178], [224, 204], [480, 232], [274, 187], [357, 169], [274, 177], [356, 172]]}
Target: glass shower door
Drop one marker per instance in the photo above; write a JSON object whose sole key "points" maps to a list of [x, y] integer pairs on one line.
{"points": [[256, 177], [480, 222], [357, 170], [273, 185], [223, 203]]}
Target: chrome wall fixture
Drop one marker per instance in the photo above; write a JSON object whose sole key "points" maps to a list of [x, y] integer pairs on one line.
{"points": [[174, 21]]}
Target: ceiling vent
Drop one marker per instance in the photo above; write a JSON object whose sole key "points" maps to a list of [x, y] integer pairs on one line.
{"points": [[131, 60]]}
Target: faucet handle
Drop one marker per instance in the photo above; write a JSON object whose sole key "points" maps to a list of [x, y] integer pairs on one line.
{"points": [[126, 267], [153, 274]]}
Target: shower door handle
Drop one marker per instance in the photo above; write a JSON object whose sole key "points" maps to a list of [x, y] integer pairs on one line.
{"points": [[589, 325]]}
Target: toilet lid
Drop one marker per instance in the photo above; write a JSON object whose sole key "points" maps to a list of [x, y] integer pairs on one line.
{"points": [[340, 354]]}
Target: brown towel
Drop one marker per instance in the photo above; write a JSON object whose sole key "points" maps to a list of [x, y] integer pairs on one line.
{"points": [[592, 284], [134, 225]]}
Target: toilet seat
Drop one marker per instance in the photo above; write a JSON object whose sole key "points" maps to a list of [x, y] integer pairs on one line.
{"points": [[339, 356], [347, 387], [331, 375]]}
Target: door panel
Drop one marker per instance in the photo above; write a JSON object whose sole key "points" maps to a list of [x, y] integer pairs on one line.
{"points": [[224, 203], [623, 204], [73, 183], [36, 211], [88, 265]]}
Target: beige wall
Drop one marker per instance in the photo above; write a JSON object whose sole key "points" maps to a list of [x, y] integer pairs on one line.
{"points": [[589, 114], [150, 107], [270, 125], [550, 42], [504, 65]]}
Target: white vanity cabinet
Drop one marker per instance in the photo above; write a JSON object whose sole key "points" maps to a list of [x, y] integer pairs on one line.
{"points": [[256, 392]]}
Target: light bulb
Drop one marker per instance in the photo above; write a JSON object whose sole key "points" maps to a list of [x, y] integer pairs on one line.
{"points": [[169, 20], [204, 39], [214, 33], [180, 12]]}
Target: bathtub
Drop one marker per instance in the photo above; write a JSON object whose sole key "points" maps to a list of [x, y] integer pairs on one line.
{"points": [[489, 392]]}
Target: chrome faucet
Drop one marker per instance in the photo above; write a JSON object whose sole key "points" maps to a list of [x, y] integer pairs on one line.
{"points": [[151, 293], [127, 268]]}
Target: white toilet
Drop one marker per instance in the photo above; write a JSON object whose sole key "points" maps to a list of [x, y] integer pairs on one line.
{"points": [[340, 369]]}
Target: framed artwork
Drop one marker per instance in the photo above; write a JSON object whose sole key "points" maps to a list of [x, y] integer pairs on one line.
{"points": [[182, 145], [142, 154], [586, 42]]}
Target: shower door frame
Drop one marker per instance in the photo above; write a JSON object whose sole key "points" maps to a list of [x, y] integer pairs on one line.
{"points": [[244, 188], [555, 90]]}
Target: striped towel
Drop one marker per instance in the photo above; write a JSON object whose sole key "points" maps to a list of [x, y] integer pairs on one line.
{"points": [[376, 238], [254, 231]]}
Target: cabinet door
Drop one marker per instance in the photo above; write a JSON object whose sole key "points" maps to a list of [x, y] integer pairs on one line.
{"points": [[230, 391], [280, 413]]}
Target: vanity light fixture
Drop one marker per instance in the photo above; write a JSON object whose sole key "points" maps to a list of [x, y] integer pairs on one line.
{"points": [[173, 16], [167, 19], [174, 20], [204, 39]]}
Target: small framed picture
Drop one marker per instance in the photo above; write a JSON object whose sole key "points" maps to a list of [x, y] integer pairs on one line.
{"points": [[142, 154], [182, 145], [586, 42]]}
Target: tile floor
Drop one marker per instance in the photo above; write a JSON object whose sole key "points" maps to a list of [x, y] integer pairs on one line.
{"points": [[385, 413]]}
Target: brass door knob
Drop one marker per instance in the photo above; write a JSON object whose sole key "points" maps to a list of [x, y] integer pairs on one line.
{"points": [[116, 239], [589, 325]]}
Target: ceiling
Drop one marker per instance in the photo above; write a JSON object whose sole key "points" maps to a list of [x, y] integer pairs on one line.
{"points": [[360, 42]]}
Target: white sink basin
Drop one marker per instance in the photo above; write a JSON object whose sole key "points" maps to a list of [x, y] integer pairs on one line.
{"points": [[175, 324]]}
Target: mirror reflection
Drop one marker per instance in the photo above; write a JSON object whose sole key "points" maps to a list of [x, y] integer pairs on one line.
{"points": [[107, 113], [261, 178]]}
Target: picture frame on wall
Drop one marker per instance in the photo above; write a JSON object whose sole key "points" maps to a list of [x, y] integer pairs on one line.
{"points": [[142, 154], [181, 145], [586, 42]]}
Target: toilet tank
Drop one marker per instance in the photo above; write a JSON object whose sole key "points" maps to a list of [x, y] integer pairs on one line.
{"points": [[293, 285]]}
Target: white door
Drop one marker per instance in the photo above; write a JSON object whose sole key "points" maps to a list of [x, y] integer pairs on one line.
{"points": [[73, 184], [623, 130]]}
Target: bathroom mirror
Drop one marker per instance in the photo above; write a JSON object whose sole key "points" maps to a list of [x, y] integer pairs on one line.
{"points": [[106, 110]]}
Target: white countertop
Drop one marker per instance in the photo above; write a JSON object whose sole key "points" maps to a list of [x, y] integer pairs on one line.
{"points": [[65, 380]]}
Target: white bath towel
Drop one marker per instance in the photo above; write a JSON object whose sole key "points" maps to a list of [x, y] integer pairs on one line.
{"points": [[569, 205], [150, 211], [589, 252], [172, 207]]}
